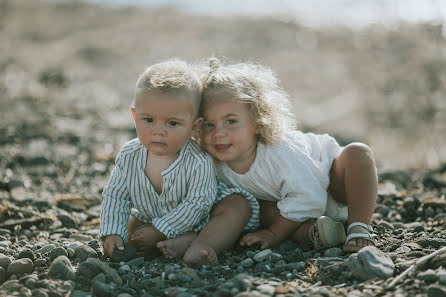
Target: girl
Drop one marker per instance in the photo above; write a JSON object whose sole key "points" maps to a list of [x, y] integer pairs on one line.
{"points": [[303, 181]]}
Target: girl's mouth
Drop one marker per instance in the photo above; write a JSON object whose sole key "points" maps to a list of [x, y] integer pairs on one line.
{"points": [[222, 147]]}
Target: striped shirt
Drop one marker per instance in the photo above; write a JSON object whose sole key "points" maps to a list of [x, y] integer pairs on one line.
{"points": [[188, 194]]}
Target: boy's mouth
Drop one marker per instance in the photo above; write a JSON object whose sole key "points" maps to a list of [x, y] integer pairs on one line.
{"points": [[222, 147]]}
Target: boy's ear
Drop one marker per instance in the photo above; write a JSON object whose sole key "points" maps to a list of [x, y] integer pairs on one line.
{"points": [[197, 124], [132, 109]]}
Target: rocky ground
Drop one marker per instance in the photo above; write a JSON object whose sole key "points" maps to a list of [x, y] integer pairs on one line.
{"points": [[66, 78]]}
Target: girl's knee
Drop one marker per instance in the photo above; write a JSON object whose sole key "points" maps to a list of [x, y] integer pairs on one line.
{"points": [[232, 203], [359, 152]]}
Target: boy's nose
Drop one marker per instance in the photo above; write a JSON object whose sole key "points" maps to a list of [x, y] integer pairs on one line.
{"points": [[158, 130], [219, 131]]}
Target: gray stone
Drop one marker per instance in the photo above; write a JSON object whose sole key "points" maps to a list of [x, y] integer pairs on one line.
{"points": [[67, 221], [107, 270], [11, 285], [442, 277], [275, 257], [298, 266], [26, 254], [61, 269], [83, 252], [263, 255], [46, 248], [191, 273], [21, 266], [248, 262], [428, 276], [136, 262], [2, 275], [79, 293], [59, 251], [436, 291], [101, 289], [39, 293], [370, 262], [124, 255], [4, 260], [333, 252], [40, 262]]}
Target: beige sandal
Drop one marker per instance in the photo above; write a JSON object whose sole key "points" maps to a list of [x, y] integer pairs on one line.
{"points": [[368, 236], [331, 233]]}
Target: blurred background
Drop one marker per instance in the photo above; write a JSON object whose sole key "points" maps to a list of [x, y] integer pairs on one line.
{"points": [[370, 71]]}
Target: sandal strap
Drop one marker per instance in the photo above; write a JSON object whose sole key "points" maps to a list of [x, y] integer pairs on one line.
{"points": [[363, 225], [366, 236], [313, 237]]}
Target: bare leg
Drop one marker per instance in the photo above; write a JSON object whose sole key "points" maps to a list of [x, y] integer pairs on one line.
{"points": [[176, 247], [133, 225], [353, 181], [269, 213], [228, 218]]}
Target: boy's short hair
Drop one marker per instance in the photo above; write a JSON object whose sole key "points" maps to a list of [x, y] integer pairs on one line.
{"points": [[172, 77]]}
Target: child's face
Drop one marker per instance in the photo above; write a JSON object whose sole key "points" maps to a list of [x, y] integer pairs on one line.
{"points": [[229, 132], [164, 122]]}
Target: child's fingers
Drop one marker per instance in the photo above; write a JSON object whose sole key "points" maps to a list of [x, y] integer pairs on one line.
{"points": [[119, 243]]}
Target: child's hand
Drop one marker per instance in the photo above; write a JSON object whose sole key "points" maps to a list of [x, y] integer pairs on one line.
{"points": [[111, 242], [145, 239], [265, 237]]}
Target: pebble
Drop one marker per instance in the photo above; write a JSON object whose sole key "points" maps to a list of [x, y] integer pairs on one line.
{"points": [[263, 255], [248, 262], [11, 285], [21, 266], [5, 243], [59, 251], [123, 255], [370, 262], [61, 269], [428, 276], [4, 260], [46, 248], [275, 257], [333, 252], [136, 262], [266, 289], [436, 291], [40, 262], [26, 254], [39, 293], [442, 277], [83, 252], [3, 275], [101, 289], [104, 268], [191, 273]]}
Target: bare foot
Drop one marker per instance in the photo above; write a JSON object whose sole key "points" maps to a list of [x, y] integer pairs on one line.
{"points": [[176, 247], [200, 253]]}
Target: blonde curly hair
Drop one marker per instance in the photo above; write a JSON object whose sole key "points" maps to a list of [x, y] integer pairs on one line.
{"points": [[173, 77], [257, 87]]}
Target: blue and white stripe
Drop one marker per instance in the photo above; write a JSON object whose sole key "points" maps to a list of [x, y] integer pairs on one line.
{"points": [[189, 192]]}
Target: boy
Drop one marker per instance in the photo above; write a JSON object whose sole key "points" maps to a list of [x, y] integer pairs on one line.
{"points": [[162, 174]]}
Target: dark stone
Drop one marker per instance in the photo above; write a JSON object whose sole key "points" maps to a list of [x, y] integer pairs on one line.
{"points": [[89, 269], [125, 255], [61, 269], [67, 221], [436, 291], [2, 275], [59, 251], [83, 252], [101, 289], [26, 254]]}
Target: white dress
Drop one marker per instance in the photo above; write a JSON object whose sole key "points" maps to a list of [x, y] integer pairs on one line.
{"points": [[295, 172]]}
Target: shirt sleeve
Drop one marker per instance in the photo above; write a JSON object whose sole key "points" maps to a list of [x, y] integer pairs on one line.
{"points": [[116, 204], [195, 206], [303, 192]]}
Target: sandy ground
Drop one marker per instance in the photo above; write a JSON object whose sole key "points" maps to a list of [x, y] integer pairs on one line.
{"points": [[77, 64]]}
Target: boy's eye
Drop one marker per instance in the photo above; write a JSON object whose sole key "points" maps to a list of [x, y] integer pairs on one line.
{"points": [[208, 125], [148, 120], [230, 122], [173, 123]]}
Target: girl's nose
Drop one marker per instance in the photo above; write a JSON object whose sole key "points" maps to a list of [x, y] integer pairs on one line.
{"points": [[219, 131]]}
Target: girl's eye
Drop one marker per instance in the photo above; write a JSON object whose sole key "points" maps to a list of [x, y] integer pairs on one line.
{"points": [[208, 125], [230, 122], [148, 120], [173, 123]]}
